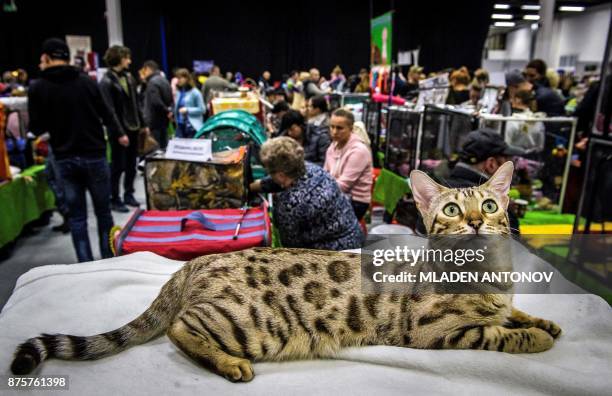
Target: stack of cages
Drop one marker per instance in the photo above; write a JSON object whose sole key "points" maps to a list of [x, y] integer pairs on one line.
{"points": [[372, 123], [402, 140]]}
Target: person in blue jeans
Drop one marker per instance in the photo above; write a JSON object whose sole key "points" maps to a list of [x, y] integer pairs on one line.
{"points": [[81, 174], [54, 179], [68, 105], [189, 107]]}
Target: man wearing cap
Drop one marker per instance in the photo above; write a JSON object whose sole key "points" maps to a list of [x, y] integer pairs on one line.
{"points": [[483, 152], [68, 105]]}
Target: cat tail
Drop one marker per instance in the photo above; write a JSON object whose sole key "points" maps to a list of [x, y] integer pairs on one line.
{"points": [[150, 324]]}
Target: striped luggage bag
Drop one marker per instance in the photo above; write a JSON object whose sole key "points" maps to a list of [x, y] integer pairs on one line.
{"points": [[186, 234]]}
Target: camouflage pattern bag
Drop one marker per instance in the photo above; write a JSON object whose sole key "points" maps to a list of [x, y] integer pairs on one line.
{"points": [[179, 185]]}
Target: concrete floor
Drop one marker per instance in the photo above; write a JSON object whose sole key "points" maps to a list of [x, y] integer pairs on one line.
{"points": [[44, 247]]}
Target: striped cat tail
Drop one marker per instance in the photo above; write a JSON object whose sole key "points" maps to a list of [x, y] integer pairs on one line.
{"points": [[150, 324]]}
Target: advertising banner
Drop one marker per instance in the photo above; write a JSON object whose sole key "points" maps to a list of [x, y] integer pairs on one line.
{"points": [[380, 33]]}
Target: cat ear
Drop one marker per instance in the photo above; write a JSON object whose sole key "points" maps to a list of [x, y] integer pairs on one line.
{"points": [[424, 189], [500, 182]]}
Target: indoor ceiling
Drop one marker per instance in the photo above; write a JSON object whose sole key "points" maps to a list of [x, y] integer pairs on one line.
{"points": [[516, 12]]}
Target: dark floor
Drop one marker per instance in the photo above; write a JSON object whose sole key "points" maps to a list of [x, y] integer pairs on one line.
{"points": [[44, 247]]}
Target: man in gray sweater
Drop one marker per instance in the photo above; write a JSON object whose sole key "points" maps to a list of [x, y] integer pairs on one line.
{"points": [[216, 83]]}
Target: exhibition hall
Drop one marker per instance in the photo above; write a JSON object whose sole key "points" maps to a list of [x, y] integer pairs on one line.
{"points": [[379, 197]]}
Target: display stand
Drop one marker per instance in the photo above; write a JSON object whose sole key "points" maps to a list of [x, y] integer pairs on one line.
{"points": [[247, 101], [433, 91]]}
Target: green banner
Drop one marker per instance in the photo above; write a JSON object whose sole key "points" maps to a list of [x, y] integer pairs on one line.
{"points": [[380, 34]]}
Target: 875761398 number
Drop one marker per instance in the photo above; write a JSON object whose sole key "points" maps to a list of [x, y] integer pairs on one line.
{"points": [[48, 382]]}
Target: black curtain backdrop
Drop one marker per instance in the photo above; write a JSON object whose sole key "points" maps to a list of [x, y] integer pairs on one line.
{"points": [[449, 34], [22, 32], [252, 36]]}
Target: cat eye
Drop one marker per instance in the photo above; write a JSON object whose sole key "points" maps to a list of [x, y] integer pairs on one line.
{"points": [[451, 210], [489, 206]]}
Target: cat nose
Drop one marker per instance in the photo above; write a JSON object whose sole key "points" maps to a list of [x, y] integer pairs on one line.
{"points": [[475, 223], [474, 220]]}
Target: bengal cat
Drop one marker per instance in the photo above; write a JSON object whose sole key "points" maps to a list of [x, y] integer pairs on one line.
{"points": [[227, 310]]}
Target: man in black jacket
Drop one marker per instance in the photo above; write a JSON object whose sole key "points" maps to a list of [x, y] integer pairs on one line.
{"points": [[68, 105], [157, 102], [119, 91]]}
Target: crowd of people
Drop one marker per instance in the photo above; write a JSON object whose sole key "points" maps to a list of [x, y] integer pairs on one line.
{"points": [[318, 162]]}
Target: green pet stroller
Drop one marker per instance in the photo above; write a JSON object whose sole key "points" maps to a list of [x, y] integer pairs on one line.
{"points": [[235, 128]]}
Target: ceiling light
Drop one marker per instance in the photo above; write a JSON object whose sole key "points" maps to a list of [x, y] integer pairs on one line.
{"points": [[501, 16], [530, 7], [504, 24], [534, 26], [531, 17], [502, 6], [571, 9]]}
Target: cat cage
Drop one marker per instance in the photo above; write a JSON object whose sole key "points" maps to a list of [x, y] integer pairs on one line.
{"points": [[543, 170], [350, 100], [372, 122], [355, 102], [402, 140], [444, 129]]}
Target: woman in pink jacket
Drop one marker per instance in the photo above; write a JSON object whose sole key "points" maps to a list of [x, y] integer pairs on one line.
{"points": [[349, 161]]}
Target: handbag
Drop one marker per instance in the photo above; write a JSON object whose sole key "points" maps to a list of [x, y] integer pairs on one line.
{"points": [[187, 234], [146, 144]]}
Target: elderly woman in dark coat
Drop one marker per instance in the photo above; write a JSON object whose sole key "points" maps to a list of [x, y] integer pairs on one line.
{"points": [[310, 211]]}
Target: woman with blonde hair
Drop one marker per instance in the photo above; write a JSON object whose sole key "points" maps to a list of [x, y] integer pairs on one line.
{"points": [[337, 79], [189, 106], [299, 100]]}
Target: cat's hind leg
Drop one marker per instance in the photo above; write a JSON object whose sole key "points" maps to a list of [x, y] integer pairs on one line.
{"points": [[520, 319], [202, 347], [496, 338]]}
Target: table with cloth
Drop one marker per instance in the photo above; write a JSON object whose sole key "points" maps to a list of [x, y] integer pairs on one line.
{"points": [[23, 199], [90, 298]]}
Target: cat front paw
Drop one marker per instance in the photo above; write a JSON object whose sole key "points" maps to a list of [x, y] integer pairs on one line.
{"points": [[236, 369]]}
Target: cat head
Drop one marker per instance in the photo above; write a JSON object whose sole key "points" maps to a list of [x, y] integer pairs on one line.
{"points": [[473, 210]]}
